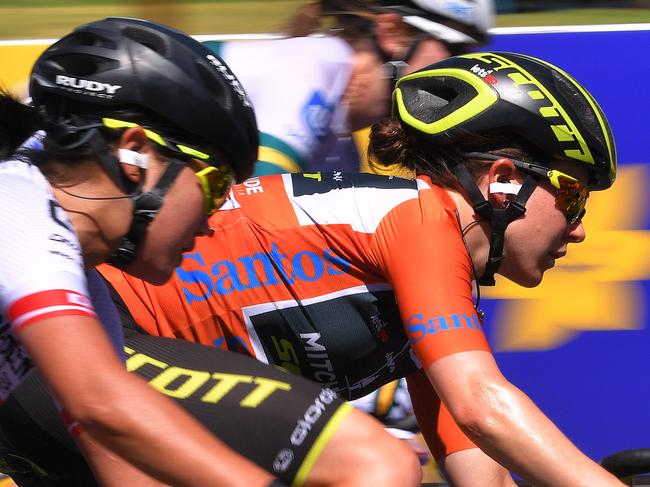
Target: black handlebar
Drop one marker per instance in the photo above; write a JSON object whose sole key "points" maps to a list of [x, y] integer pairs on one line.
{"points": [[628, 462]]}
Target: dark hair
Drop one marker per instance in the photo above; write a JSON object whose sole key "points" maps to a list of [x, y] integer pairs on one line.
{"points": [[62, 142], [17, 123], [391, 145]]}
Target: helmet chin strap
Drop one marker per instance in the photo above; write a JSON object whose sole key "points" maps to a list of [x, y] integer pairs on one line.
{"points": [[145, 204], [498, 218], [145, 208]]}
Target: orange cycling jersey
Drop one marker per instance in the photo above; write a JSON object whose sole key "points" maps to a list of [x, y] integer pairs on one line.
{"points": [[352, 280]]}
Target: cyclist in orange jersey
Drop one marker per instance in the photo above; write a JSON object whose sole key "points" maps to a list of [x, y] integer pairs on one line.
{"points": [[354, 280], [144, 131]]}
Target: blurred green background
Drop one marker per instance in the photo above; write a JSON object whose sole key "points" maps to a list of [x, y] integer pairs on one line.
{"points": [[30, 19]]}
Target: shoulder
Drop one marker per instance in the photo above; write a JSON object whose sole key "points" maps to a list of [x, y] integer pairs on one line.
{"points": [[19, 179], [21, 169], [327, 49], [27, 196], [322, 49], [286, 59], [37, 238], [361, 201], [425, 217]]}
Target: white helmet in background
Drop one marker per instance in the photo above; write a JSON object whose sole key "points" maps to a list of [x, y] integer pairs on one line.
{"points": [[451, 21]]}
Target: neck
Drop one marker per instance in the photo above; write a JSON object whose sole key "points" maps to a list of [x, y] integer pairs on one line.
{"points": [[475, 232], [98, 223]]}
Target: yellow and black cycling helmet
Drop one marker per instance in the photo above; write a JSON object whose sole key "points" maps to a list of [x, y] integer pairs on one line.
{"points": [[509, 93]]}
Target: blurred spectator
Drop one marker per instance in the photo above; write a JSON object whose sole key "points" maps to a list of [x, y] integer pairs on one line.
{"points": [[309, 93]]}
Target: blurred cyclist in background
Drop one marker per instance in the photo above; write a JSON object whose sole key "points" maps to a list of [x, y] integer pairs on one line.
{"points": [[144, 131], [355, 280], [310, 93]]}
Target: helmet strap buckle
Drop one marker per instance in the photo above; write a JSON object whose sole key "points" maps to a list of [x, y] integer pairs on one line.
{"points": [[498, 218], [146, 206]]}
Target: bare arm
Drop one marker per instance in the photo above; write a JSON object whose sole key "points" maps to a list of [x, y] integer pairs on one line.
{"points": [[110, 469], [508, 426], [122, 413], [462, 463]]}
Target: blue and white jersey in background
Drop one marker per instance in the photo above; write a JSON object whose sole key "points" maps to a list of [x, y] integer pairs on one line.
{"points": [[296, 86]]}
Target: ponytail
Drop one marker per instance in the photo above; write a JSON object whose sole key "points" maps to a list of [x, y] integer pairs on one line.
{"points": [[388, 143], [18, 122], [392, 146]]}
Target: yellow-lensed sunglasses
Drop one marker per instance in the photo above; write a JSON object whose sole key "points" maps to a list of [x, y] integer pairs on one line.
{"points": [[570, 194], [214, 181]]}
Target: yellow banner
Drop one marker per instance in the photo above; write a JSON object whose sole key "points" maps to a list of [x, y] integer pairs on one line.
{"points": [[16, 61]]}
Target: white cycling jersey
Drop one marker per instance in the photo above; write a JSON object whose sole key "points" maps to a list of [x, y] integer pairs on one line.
{"points": [[296, 86], [41, 266]]}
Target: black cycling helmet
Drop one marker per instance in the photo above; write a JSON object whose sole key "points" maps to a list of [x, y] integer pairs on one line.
{"points": [[119, 63], [119, 72], [510, 93], [458, 22]]}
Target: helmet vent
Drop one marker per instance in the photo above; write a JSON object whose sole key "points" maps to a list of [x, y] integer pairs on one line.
{"points": [[427, 106], [146, 38], [579, 104], [80, 64], [214, 83], [77, 39]]}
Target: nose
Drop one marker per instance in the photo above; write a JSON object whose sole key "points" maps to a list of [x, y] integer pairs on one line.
{"points": [[576, 232]]}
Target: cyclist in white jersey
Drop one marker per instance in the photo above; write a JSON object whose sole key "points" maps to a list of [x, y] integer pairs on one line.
{"points": [[145, 129], [310, 93], [48, 317]]}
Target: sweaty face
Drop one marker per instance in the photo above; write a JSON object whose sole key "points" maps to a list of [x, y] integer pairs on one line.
{"points": [[172, 231], [534, 242]]}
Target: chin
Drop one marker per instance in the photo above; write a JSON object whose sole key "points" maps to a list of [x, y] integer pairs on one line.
{"points": [[533, 282], [150, 273], [532, 279], [158, 279]]}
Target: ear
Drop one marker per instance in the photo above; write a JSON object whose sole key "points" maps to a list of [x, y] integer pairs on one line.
{"points": [[392, 34], [501, 171], [134, 139]]}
